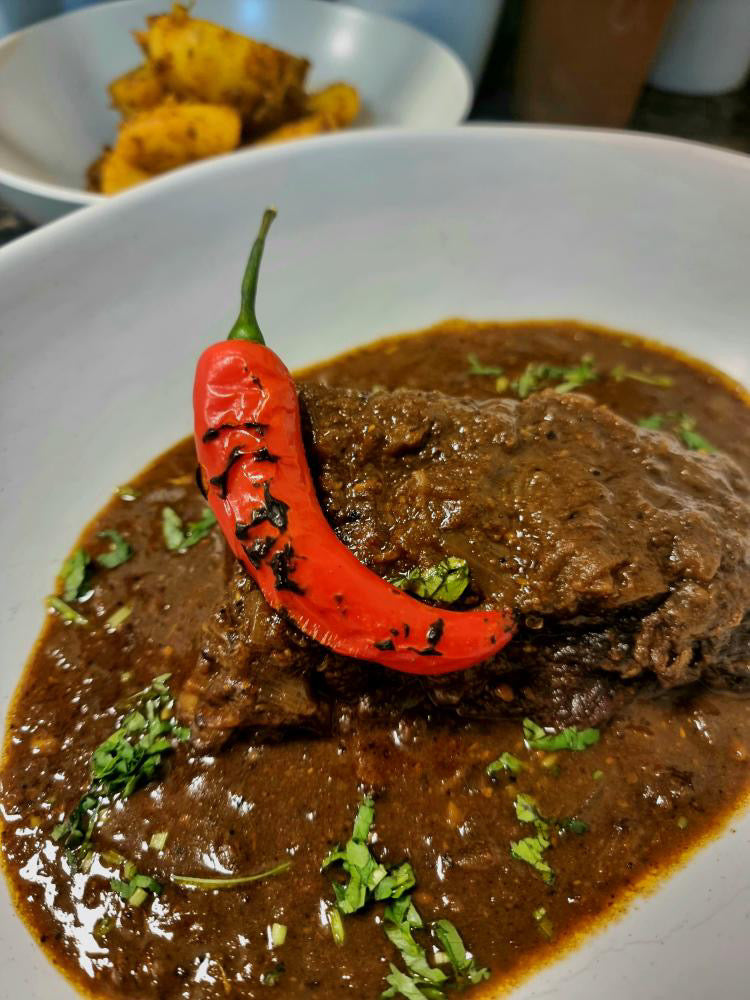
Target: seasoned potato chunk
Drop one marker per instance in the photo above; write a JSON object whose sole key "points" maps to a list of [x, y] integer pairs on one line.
{"points": [[114, 174], [173, 134], [202, 61], [136, 91], [303, 128], [338, 102]]}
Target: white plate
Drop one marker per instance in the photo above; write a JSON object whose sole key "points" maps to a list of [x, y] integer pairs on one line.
{"points": [[54, 107], [103, 314]]}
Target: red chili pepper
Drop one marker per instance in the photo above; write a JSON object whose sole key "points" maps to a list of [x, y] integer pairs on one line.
{"points": [[252, 457]]}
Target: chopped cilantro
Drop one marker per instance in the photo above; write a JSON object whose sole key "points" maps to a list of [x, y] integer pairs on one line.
{"points": [[543, 923], [74, 575], [197, 530], [177, 537], [413, 954], [118, 617], [135, 890], [422, 979], [680, 424], [158, 840], [119, 550], [129, 758], [403, 911], [65, 611], [337, 926], [444, 582], [102, 928], [270, 978], [574, 824], [570, 738], [505, 762], [403, 985], [476, 367], [653, 423], [368, 880], [537, 374], [531, 850], [229, 881], [527, 812], [691, 438], [619, 373], [597, 775], [363, 821], [171, 526], [464, 966]]}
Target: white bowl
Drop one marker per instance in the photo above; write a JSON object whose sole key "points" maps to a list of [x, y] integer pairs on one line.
{"points": [[103, 314], [54, 107]]}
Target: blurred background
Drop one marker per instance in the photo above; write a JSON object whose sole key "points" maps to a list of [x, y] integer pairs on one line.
{"points": [[677, 67]]}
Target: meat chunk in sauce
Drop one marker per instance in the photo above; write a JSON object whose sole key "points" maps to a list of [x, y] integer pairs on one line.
{"points": [[625, 555]]}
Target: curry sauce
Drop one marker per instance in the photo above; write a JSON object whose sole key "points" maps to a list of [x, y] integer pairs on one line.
{"points": [[667, 771]]}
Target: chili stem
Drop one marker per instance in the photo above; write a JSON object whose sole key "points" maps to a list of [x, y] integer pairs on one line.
{"points": [[246, 325]]}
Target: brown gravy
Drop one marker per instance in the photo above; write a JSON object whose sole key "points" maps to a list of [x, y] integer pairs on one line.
{"points": [[666, 773]]}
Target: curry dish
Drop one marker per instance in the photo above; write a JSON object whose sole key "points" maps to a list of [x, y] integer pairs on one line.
{"points": [[596, 485]]}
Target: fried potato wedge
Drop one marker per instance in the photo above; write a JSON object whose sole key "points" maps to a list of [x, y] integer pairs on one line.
{"points": [[138, 90], [303, 128], [173, 134], [199, 60], [114, 174], [339, 102]]}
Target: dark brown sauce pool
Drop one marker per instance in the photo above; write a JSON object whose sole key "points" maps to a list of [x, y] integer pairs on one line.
{"points": [[666, 773]]}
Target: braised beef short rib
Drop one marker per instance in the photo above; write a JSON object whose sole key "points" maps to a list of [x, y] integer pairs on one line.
{"points": [[625, 556]]}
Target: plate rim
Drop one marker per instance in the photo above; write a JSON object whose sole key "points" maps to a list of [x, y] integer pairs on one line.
{"points": [[227, 162]]}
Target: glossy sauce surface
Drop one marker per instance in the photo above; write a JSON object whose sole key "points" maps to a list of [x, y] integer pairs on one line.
{"points": [[666, 772]]}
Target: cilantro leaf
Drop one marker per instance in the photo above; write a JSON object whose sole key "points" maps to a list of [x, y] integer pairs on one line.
{"points": [[119, 551], [476, 367], [171, 526], [505, 762], [573, 824], [451, 943], [527, 812], [690, 436], [132, 756], [543, 923], [177, 537], [197, 530], [402, 985], [444, 582], [136, 889], [368, 880], [363, 821], [65, 611], [396, 882], [653, 423], [570, 738], [531, 851], [680, 424], [400, 920], [537, 374], [403, 911], [413, 954], [73, 575]]}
